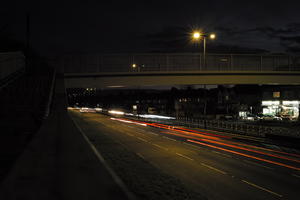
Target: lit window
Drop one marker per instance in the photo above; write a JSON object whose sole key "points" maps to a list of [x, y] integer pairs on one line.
{"points": [[276, 94], [270, 103]]}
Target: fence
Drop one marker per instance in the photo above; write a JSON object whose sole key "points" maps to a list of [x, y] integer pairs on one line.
{"points": [[230, 126], [175, 62]]}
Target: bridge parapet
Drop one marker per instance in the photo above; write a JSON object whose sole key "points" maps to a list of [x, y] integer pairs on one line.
{"points": [[175, 62]]}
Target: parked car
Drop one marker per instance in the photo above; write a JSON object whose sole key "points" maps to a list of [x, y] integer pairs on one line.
{"points": [[270, 118], [251, 117]]}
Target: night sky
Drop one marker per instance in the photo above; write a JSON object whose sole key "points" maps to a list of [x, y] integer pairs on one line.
{"points": [[59, 27]]}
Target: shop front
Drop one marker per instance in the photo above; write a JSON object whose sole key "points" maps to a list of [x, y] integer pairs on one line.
{"points": [[286, 109]]}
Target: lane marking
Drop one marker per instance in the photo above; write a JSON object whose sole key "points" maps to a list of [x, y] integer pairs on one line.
{"points": [[151, 133], [198, 148], [170, 138], [257, 164], [140, 155], [246, 155], [161, 147], [179, 154], [264, 189], [142, 139], [213, 168], [296, 175], [223, 154], [229, 156], [129, 134]]}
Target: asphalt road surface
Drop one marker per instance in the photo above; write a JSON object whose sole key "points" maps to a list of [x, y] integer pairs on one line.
{"points": [[217, 165]]}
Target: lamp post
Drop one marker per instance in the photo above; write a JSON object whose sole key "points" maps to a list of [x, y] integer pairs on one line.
{"points": [[197, 36]]}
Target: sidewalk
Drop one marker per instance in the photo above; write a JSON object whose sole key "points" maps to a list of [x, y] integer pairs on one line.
{"points": [[60, 164]]}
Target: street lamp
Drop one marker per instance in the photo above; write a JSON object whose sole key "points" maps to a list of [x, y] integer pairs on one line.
{"points": [[197, 36]]}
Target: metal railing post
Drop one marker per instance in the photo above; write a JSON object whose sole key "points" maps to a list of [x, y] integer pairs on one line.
{"points": [[261, 63], [289, 63], [200, 62], [167, 62], [231, 62]]}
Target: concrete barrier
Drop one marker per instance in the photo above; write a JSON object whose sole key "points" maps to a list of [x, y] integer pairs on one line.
{"points": [[59, 163]]}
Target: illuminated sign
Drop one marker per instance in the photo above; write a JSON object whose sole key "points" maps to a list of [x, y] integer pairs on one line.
{"points": [[270, 103], [295, 103]]}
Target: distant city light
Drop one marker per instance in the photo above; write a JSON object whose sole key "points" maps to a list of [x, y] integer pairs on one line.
{"points": [[269, 103], [128, 121], [290, 102], [116, 112], [98, 109], [86, 109], [156, 116], [133, 65]]}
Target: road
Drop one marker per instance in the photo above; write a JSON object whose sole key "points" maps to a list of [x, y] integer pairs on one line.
{"points": [[214, 164]]}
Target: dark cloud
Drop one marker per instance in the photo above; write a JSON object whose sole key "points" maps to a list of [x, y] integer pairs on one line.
{"points": [[287, 37], [168, 39], [291, 43]]}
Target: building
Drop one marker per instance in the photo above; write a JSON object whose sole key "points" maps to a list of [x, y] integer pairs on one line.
{"points": [[281, 101]]}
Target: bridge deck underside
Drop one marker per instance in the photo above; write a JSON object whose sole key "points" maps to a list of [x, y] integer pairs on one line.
{"points": [[178, 78]]}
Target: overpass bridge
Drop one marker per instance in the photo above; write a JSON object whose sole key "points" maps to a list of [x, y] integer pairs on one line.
{"points": [[121, 70]]}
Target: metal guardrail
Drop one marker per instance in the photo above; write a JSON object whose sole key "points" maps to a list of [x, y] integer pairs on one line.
{"points": [[174, 62], [229, 126]]}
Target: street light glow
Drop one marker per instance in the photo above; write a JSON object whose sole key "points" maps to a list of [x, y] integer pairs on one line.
{"points": [[196, 35], [212, 36], [133, 65]]}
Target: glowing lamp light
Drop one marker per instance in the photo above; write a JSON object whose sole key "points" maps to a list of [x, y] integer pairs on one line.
{"points": [[196, 35], [212, 36], [133, 65]]}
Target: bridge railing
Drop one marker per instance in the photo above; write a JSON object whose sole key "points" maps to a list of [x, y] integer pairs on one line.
{"points": [[175, 62]]}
